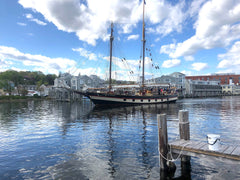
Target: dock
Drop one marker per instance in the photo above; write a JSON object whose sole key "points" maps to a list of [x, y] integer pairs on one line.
{"points": [[190, 147], [183, 148]]}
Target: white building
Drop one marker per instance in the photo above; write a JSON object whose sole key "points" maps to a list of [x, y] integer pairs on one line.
{"points": [[200, 88], [231, 89]]}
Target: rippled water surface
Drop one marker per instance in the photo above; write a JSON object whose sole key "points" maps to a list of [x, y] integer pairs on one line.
{"points": [[60, 140]]}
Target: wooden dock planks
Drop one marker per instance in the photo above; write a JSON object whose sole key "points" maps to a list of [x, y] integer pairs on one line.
{"points": [[185, 146]]}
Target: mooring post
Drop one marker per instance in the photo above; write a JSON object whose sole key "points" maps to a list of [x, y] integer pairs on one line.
{"points": [[163, 140], [184, 125], [184, 132]]}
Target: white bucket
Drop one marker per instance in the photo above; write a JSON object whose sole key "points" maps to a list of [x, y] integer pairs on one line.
{"points": [[213, 142]]}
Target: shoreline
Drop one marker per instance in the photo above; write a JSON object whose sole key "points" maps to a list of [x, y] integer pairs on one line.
{"points": [[20, 98], [27, 98]]}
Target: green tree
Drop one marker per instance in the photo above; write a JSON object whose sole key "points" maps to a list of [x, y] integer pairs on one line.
{"points": [[27, 77], [7, 86]]}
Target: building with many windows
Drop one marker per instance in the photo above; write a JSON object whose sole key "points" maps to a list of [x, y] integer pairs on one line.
{"points": [[222, 78], [200, 88]]}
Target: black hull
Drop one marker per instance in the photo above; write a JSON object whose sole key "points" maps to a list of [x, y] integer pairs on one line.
{"points": [[108, 99]]}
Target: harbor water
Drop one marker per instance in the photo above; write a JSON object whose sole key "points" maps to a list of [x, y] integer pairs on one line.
{"points": [[63, 140]]}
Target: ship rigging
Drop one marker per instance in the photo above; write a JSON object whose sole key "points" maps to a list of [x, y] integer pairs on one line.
{"points": [[131, 94]]}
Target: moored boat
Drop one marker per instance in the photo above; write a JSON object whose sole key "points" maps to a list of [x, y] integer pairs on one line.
{"points": [[141, 94], [105, 99]]}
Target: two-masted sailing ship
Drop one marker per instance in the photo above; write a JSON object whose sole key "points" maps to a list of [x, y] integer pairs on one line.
{"points": [[131, 95]]}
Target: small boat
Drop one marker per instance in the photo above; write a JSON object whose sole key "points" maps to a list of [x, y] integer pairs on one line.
{"points": [[132, 95]]}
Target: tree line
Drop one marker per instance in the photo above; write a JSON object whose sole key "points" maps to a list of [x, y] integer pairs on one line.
{"points": [[10, 79]]}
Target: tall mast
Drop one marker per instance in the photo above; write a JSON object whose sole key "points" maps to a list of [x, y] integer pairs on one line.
{"points": [[110, 67], [144, 41]]}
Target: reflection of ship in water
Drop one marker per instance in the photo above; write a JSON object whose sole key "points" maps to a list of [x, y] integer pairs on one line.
{"points": [[153, 109], [121, 133], [121, 120]]}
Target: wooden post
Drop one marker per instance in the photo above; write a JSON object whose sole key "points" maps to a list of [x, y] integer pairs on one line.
{"points": [[184, 132], [163, 140], [184, 125]]}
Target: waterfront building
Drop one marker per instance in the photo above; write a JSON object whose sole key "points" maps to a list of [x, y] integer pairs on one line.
{"points": [[223, 78], [175, 79], [64, 80], [201, 88], [75, 83], [180, 79], [187, 86], [66, 83], [231, 89], [30, 87], [90, 81], [44, 90]]}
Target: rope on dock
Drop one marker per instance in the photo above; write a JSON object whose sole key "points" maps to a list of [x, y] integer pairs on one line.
{"points": [[170, 153]]}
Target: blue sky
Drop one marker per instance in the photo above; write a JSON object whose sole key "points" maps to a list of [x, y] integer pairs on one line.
{"points": [[195, 37]]}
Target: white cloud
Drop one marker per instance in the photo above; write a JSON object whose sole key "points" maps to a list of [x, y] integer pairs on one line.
{"points": [[189, 58], [21, 24], [124, 64], [195, 6], [171, 63], [4, 65], [133, 37], [187, 73], [31, 18], [168, 18], [89, 71], [157, 40], [230, 61], [47, 64], [122, 74], [12, 68], [199, 66], [122, 67], [39, 22], [87, 54], [217, 25], [90, 19], [172, 23], [3, 62], [168, 49]]}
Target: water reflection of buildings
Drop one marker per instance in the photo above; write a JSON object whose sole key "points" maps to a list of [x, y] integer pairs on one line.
{"points": [[98, 143], [70, 113], [229, 119]]}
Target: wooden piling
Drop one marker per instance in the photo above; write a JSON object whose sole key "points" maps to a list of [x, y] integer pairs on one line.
{"points": [[184, 132], [163, 140], [184, 125]]}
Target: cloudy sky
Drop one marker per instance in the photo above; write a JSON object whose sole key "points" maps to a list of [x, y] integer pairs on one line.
{"points": [[195, 37]]}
